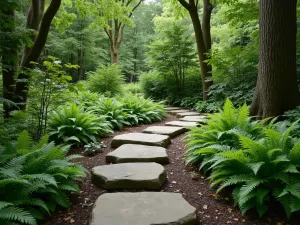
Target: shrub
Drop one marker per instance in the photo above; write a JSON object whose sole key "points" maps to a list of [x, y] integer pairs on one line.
{"points": [[220, 134], [152, 85], [206, 107], [261, 170], [141, 110], [34, 179], [72, 124], [133, 88], [106, 80]]}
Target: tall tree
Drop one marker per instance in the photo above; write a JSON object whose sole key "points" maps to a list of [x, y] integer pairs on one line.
{"points": [[40, 21], [276, 88], [115, 31], [203, 37], [9, 43]]}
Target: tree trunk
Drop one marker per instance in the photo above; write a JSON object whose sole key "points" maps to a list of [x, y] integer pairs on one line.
{"points": [[276, 88], [207, 10], [21, 90], [201, 51], [9, 61], [34, 17], [115, 56]]}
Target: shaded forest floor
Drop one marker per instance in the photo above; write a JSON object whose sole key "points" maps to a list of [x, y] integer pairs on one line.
{"points": [[211, 209]]}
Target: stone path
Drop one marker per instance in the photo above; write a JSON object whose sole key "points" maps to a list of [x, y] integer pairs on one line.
{"points": [[137, 166], [164, 130], [198, 119], [138, 153]]}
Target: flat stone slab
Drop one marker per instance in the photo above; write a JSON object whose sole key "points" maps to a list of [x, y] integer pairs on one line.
{"points": [[145, 176], [188, 114], [165, 130], [174, 112], [182, 124], [138, 153], [141, 138], [198, 119], [172, 108], [143, 208]]}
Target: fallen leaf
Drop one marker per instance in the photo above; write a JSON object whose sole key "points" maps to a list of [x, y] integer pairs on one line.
{"points": [[67, 218], [205, 207]]}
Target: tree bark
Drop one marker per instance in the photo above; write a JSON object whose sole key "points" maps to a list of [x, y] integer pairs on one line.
{"points": [[276, 88], [9, 60], [21, 90], [203, 39]]}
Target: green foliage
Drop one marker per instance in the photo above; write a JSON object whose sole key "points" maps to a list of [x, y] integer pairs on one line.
{"points": [[106, 80], [206, 107], [260, 170], [73, 124], [34, 179], [113, 111], [220, 134], [141, 110], [173, 55], [10, 129], [133, 88], [153, 85], [46, 88]]}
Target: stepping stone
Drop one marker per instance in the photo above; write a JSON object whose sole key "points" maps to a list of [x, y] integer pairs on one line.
{"points": [[199, 119], [174, 112], [182, 124], [140, 138], [148, 176], [170, 131], [188, 114], [138, 153], [143, 208], [172, 108]]}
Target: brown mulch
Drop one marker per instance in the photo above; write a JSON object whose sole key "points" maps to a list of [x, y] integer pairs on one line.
{"points": [[211, 209]]}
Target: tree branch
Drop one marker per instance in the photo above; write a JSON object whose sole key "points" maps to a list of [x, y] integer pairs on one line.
{"points": [[185, 4]]}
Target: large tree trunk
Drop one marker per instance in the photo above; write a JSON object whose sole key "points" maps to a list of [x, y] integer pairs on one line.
{"points": [[34, 17], [9, 60], [21, 90], [276, 88], [201, 51]]}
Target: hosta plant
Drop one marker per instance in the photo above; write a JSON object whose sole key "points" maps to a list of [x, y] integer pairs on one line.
{"points": [[261, 170], [220, 134], [73, 124], [34, 179]]}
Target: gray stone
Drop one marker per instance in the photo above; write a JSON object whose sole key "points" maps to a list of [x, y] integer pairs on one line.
{"points": [[198, 119], [188, 114], [165, 130], [142, 176], [143, 208], [140, 138], [174, 112], [172, 108], [182, 124], [138, 153]]}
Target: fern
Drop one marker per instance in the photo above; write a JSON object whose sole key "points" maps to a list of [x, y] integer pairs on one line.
{"points": [[34, 179]]}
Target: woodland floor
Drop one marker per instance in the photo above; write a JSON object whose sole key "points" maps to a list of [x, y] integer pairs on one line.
{"points": [[211, 209]]}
